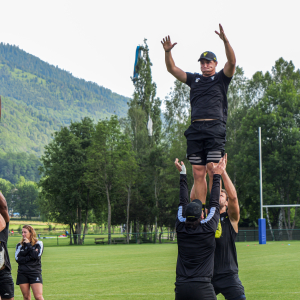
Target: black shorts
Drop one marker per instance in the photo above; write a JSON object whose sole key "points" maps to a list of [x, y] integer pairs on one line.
{"points": [[29, 278], [194, 290], [6, 284], [205, 141], [230, 286]]}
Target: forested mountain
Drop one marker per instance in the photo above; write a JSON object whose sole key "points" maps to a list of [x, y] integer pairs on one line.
{"points": [[37, 98]]}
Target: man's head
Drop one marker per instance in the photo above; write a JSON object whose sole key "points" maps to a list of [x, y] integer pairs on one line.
{"points": [[193, 213], [208, 63], [223, 199]]}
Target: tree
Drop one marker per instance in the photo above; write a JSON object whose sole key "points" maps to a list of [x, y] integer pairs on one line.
{"points": [[144, 109], [276, 111], [64, 195], [104, 155], [26, 198]]}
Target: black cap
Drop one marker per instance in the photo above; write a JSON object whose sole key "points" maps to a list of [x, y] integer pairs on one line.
{"points": [[193, 210], [208, 56]]}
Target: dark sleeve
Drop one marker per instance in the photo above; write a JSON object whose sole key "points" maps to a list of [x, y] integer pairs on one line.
{"points": [[189, 78], [37, 252], [212, 219], [183, 198], [21, 257], [226, 80]]}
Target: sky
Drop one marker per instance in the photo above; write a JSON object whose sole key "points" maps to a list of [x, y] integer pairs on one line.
{"points": [[96, 40]]}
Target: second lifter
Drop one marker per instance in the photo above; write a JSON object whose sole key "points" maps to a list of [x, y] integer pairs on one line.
{"points": [[226, 278]]}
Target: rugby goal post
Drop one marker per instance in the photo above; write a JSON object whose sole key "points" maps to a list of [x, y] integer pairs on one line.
{"points": [[262, 222]]}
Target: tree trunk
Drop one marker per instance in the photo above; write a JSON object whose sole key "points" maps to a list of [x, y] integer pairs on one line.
{"points": [[270, 225], [280, 224], [71, 226], [160, 234], [79, 226], [73, 232], [108, 215], [86, 216], [156, 203], [127, 217]]}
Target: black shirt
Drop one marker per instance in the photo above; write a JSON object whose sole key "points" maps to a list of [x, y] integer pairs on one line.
{"points": [[225, 254], [28, 258], [195, 261], [208, 95], [3, 245]]}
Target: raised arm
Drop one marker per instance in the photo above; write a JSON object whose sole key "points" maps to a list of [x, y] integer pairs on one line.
{"points": [[2, 223], [3, 208], [170, 64], [233, 203], [229, 67], [184, 192]]}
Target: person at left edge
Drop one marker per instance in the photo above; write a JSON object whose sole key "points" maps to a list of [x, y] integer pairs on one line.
{"points": [[28, 256], [6, 281], [196, 239]]}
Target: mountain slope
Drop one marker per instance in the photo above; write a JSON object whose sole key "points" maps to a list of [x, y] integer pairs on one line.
{"points": [[37, 98]]}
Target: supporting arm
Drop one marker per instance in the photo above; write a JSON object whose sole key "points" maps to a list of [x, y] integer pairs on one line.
{"points": [[233, 203], [3, 208]]}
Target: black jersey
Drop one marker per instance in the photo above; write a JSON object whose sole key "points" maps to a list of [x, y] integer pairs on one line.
{"points": [[195, 261], [28, 258], [225, 254], [3, 245], [208, 95]]}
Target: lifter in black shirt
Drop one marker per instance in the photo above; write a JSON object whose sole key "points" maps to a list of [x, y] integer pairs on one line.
{"points": [[196, 240], [207, 134], [226, 279]]}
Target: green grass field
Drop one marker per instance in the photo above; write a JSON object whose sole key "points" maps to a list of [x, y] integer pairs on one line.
{"points": [[147, 271]]}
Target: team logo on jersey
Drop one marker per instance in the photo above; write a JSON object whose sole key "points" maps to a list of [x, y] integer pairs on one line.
{"points": [[213, 77], [37, 279], [222, 219], [197, 80]]}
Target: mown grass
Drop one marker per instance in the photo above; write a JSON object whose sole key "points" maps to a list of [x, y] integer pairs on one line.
{"points": [[147, 271]]}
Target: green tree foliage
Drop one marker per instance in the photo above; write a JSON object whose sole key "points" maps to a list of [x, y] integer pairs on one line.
{"points": [[7, 189], [25, 198], [110, 166], [274, 108], [64, 196], [14, 165], [144, 108]]}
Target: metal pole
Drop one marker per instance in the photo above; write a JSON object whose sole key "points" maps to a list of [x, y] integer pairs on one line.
{"points": [[260, 174]]}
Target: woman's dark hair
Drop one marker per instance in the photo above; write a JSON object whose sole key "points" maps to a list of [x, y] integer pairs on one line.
{"points": [[192, 224]]}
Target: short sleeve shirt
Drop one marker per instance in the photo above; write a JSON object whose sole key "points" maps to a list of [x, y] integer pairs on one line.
{"points": [[208, 95]]}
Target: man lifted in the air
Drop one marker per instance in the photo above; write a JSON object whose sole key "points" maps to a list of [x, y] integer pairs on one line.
{"points": [[206, 135]]}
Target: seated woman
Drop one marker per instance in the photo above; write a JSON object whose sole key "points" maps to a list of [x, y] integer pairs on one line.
{"points": [[28, 256]]}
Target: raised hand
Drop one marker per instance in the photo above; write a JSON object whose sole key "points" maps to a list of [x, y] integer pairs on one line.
{"points": [[167, 44], [220, 167], [221, 34], [180, 167]]}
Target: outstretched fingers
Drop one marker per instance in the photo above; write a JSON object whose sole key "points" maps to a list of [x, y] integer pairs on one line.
{"points": [[177, 165]]}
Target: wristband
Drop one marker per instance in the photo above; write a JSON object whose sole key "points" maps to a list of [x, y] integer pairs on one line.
{"points": [[183, 171]]}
